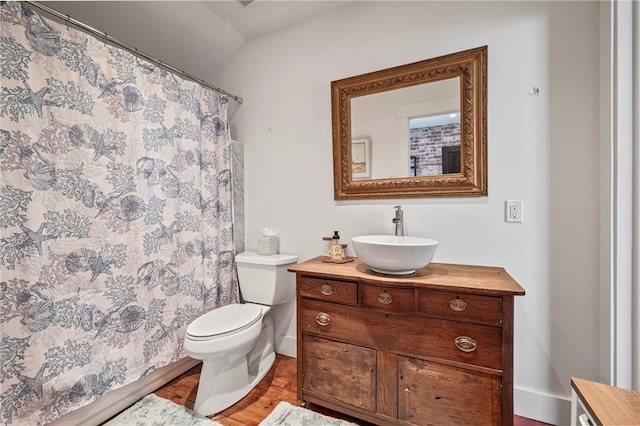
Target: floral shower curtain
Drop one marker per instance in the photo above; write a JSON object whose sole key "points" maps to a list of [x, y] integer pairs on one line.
{"points": [[115, 216]]}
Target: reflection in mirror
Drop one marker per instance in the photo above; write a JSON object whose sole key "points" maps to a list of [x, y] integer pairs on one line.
{"points": [[398, 124], [434, 144], [360, 159], [412, 131]]}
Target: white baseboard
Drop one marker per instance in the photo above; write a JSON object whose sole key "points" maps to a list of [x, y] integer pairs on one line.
{"points": [[541, 407], [286, 345], [118, 400]]}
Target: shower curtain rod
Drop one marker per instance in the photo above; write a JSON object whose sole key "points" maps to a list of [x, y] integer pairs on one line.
{"points": [[133, 50]]}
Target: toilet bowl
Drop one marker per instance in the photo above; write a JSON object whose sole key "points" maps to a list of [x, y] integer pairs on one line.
{"points": [[225, 339], [236, 342]]}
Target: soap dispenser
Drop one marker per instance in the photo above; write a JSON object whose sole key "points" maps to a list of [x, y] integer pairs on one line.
{"points": [[336, 247]]}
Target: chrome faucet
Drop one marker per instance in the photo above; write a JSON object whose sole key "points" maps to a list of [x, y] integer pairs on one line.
{"points": [[398, 221]]}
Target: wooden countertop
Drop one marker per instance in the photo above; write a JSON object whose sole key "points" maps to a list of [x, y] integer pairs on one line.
{"points": [[608, 405], [437, 276]]}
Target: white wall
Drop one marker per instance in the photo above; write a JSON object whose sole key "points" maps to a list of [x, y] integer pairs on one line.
{"points": [[542, 150]]}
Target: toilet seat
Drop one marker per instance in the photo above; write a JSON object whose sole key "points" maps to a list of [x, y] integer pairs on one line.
{"points": [[229, 319]]}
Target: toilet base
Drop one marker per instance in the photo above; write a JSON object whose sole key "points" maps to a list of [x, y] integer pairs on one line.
{"points": [[208, 403], [225, 381]]}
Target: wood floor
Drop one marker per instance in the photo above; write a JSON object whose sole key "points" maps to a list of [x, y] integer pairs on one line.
{"points": [[278, 385]]}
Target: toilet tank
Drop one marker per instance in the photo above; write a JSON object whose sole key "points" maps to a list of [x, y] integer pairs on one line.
{"points": [[265, 279]]}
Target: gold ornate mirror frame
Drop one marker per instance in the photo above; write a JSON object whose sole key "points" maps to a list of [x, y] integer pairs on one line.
{"points": [[471, 67]]}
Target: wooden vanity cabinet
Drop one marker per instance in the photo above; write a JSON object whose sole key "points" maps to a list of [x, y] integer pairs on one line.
{"points": [[432, 348]]}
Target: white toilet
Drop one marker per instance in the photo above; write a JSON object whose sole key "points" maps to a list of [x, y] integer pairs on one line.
{"points": [[236, 342]]}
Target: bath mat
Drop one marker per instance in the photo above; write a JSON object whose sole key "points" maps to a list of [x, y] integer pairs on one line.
{"points": [[286, 414], [155, 411]]}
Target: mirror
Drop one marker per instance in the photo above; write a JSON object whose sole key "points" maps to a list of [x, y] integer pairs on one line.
{"points": [[412, 131]]}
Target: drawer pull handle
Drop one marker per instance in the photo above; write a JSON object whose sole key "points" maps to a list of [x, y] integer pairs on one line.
{"points": [[385, 298], [326, 289], [466, 344], [323, 319], [458, 305]]}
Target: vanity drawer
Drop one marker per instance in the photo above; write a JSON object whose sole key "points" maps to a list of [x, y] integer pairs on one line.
{"points": [[331, 290], [461, 306], [387, 298], [475, 344]]}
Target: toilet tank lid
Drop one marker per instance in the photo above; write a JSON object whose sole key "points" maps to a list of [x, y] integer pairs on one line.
{"points": [[253, 258]]}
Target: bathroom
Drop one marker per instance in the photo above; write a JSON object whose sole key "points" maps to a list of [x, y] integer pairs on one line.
{"points": [[545, 147]]}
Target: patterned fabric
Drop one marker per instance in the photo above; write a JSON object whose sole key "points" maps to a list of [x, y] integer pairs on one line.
{"points": [[155, 411], [115, 216]]}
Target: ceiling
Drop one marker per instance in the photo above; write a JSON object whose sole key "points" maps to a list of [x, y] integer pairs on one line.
{"points": [[197, 37]]}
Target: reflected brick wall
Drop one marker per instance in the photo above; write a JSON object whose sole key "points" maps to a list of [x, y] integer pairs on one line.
{"points": [[426, 144]]}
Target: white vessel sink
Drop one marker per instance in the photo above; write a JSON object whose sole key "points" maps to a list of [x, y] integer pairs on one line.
{"points": [[394, 255]]}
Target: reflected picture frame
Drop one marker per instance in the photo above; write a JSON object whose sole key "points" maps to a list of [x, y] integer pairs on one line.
{"points": [[360, 158]]}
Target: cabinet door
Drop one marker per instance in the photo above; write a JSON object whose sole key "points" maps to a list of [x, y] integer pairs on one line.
{"points": [[436, 394], [340, 371]]}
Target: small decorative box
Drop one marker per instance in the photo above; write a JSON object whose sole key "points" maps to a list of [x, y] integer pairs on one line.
{"points": [[268, 245]]}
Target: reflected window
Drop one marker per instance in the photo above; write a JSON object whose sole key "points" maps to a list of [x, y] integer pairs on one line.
{"points": [[434, 144]]}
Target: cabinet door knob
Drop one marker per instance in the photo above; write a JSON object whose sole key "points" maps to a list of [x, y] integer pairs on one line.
{"points": [[458, 305], [466, 344], [323, 319], [326, 289], [385, 298]]}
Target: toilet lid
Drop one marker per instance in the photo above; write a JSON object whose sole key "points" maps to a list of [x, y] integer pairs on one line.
{"points": [[227, 319]]}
